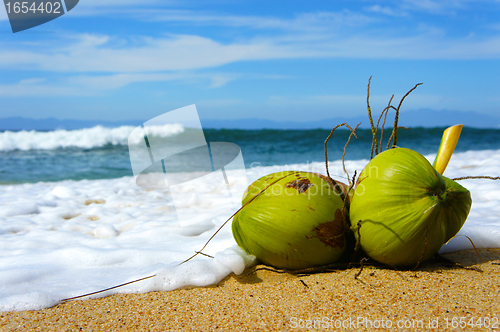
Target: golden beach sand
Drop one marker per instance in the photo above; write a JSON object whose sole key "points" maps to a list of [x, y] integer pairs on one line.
{"points": [[436, 296]]}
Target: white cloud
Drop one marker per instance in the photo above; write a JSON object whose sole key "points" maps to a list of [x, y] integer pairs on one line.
{"points": [[386, 10], [434, 7], [431, 6], [221, 80], [317, 21], [96, 84], [39, 90], [100, 62], [344, 34], [31, 81], [103, 54], [171, 53], [442, 7], [40, 87], [108, 82]]}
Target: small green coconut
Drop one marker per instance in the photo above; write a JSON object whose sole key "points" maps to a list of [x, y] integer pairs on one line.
{"points": [[293, 220], [403, 210]]}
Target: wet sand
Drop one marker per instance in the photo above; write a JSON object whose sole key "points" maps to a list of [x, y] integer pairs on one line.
{"points": [[436, 296]]}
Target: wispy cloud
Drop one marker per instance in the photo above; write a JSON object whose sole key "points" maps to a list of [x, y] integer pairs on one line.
{"points": [[441, 7], [407, 8], [435, 6], [313, 21], [104, 54], [115, 81], [91, 85], [39, 88], [386, 10], [111, 62]]}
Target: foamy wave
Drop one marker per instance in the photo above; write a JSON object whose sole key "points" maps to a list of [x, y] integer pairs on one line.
{"points": [[62, 239], [82, 138]]}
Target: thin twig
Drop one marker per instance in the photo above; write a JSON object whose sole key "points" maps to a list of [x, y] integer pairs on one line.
{"points": [[107, 289], [345, 206], [476, 177], [311, 270], [450, 263], [267, 269], [202, 253], [374, 132], [326, 146], [391, 137], [345, 149], [477, 251], [337, 187], [386, 111], [358, 242], [395, 129], [356, 276]]}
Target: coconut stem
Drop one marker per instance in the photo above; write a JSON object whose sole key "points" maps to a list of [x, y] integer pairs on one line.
{"points": [[394, 135], [374, 131], [353, 132], [446, 148], [396, 118], [345, 150], [384, 113]]}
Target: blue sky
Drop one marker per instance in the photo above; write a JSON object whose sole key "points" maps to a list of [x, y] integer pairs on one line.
{"points": [[277, 60]]}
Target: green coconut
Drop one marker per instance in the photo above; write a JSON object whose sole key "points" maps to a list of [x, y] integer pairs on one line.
{"points": [[403, 210], [295, 222]]}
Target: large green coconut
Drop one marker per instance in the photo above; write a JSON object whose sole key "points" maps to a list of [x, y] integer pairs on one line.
{"points": [[295, 223], [405, 209]]}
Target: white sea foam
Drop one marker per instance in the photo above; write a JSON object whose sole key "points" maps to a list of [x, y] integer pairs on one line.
{"points": [[63, 239], [81, 138]]}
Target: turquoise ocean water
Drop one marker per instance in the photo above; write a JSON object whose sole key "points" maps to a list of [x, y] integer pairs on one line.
{"points": [[23, 161]]}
